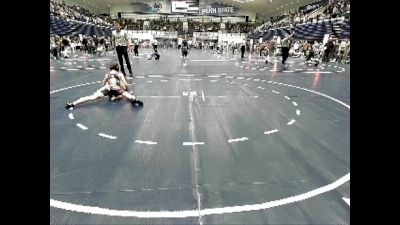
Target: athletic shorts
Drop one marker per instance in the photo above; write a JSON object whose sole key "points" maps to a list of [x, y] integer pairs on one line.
{"points": [[115, 92], [105, 91]]}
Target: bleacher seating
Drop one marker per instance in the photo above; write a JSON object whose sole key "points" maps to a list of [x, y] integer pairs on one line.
{"points": [[345, 29], [61, 27], [312, 31]]}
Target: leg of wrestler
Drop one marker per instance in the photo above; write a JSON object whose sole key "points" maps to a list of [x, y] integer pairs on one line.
{"points": [[128, 95], [116, 98], [132, 98], [98, 94]]}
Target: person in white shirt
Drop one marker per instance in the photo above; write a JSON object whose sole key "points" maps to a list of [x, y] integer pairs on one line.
{"points": [[136, 47], [73, 46], [120, 39], [285, 43], [155, 45], [272, 45], [179, 43]]}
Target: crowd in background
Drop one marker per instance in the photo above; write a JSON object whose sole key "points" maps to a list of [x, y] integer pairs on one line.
{"points": [[164, 24], [310, 13], [64, 47], [76, 13], [333, 50], [336, 9]]}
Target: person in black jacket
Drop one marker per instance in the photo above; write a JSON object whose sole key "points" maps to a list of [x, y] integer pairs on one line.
{"points": [[329, 47], [85, 44], [242, 48]]}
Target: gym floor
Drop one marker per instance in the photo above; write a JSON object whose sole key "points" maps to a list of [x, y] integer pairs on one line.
{"points": [[219, 140]]}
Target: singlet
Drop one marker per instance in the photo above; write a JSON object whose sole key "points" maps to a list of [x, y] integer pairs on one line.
{"points": [[114, 80], [184, 46]]}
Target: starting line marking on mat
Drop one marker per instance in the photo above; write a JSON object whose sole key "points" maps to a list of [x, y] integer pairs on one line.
{"points": [[271, 131], [81, 126], [275, 92], [155, 75], [146, 142], [192, 143], [291, 122], [238, 139], [107, 136]]}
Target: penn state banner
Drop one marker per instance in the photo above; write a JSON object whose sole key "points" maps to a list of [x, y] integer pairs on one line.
{"points": [[194, 7], [212, 8]]}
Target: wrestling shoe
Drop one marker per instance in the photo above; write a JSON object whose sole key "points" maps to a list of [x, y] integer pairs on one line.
{"points": [[137, 102], [69, 105]]}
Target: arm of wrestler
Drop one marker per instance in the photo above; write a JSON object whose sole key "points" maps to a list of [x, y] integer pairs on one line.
{"points": [[124, 84], [105, 80]]}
